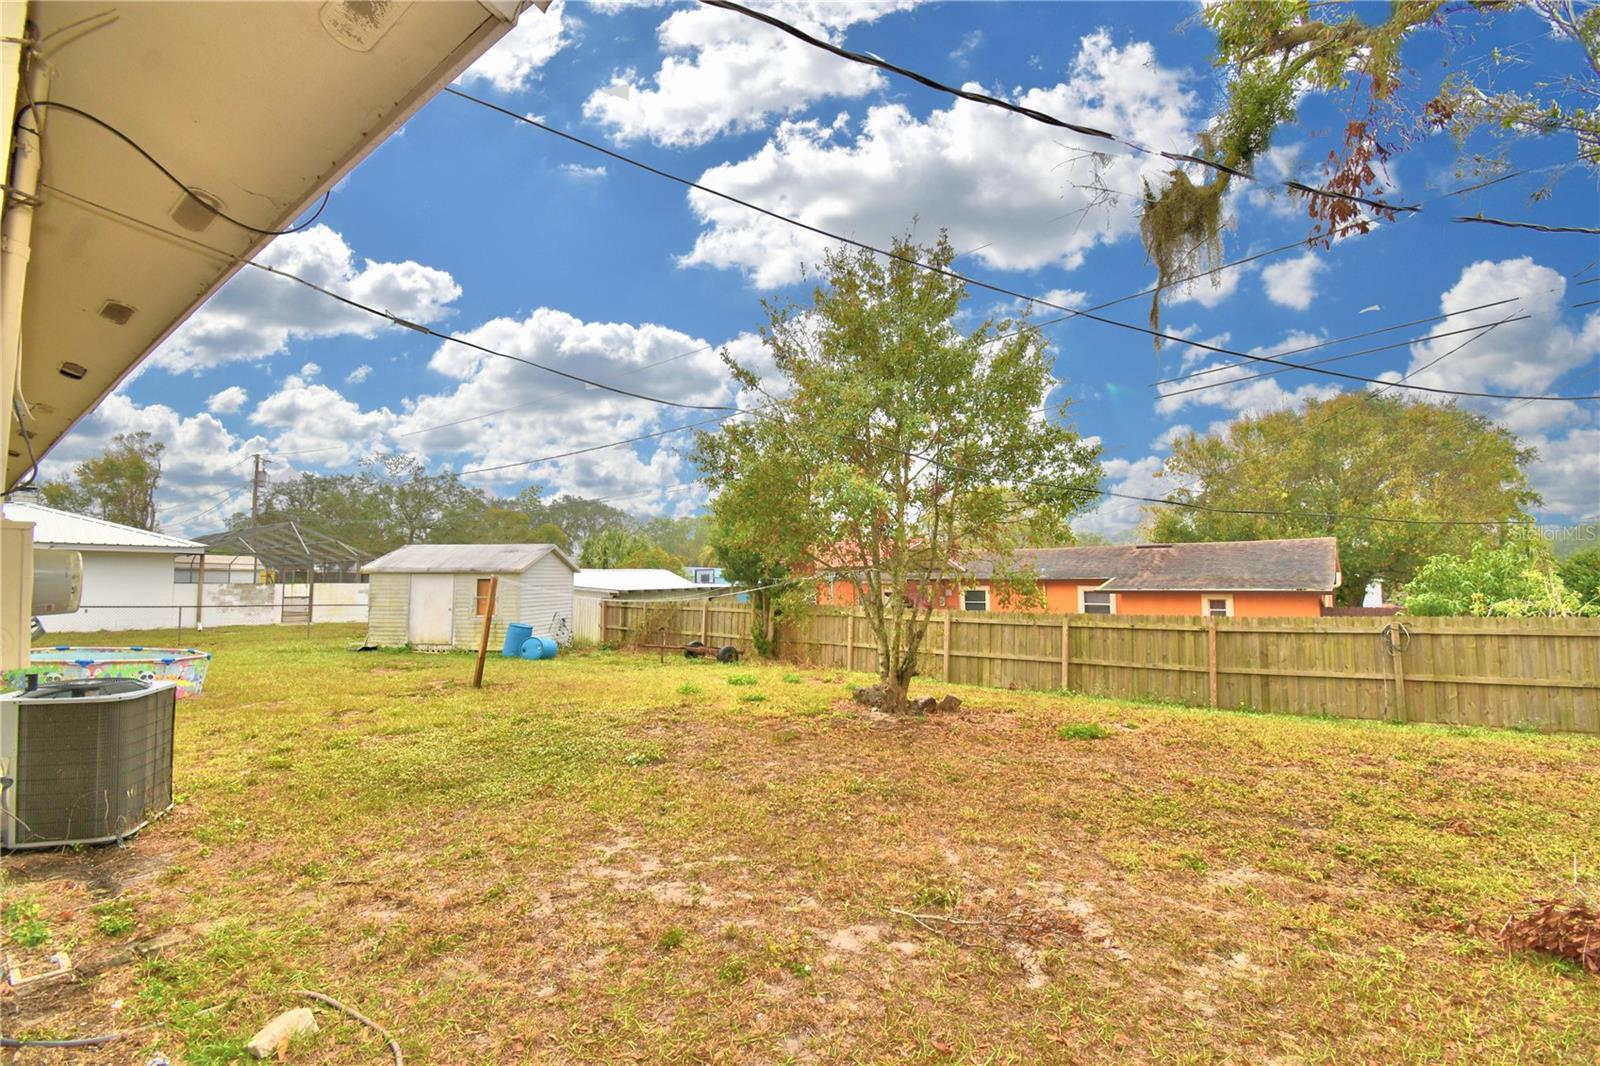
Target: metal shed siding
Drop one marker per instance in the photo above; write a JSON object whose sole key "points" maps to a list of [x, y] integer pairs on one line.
{"points": [[546, 596], [388, 604]]}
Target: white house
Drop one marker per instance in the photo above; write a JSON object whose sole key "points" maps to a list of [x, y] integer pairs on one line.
{"points": [[434, 595], [127, 572], [592, 587]]}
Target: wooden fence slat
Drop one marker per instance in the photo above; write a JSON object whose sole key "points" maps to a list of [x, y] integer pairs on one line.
{"points": [[1542, 673]]}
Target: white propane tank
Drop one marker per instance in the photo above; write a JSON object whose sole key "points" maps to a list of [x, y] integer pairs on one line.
{"points": [[57, 580]]}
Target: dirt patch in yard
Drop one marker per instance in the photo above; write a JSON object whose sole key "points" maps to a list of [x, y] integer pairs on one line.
{"points": [[614, 858]]}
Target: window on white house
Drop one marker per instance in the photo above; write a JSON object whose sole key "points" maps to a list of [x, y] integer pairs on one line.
{"points": [[975, 600], [1098, 602], [1219, 606]]}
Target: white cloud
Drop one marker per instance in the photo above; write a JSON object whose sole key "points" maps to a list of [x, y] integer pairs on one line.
{"points": [[315, 420], [205, 471], [228, 401], [257, 315], [1167, 437], [532, 414], [1002, 185], [579, 172], [1137, 477], [514, 61], [358, 375], [724, 72], [309, 370], [1236, 384], [962, 54], [1292, 283], [1210, 291], [1524, 357], [1567, 473]]}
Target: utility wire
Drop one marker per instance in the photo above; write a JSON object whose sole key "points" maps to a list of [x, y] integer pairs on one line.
{"points": [[1036, 115], [378, 313], [57, 105], [1538, 226], [965, 279]]}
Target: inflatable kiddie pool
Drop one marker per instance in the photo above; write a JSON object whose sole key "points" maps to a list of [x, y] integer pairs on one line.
{"points": [[184, 667]]}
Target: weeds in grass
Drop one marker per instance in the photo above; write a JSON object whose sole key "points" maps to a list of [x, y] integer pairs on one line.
{"points": [[792, 679], [23, 924], [672, 938], [114, 918], [644, 757], [936, 897], [1082, 731], [733, 972], [1194, 862], [689, 688], [752, 697], [743, 679]]}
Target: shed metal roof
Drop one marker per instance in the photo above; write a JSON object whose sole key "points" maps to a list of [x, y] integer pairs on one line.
{"points": [[631, 580], [63, 529], [464, 558], [1297, 565]]}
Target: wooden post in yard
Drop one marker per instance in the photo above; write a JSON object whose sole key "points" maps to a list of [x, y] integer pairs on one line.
{"points": [[483, 638], [850, 640], [948, 617], [705, 620], [1066, 653], [1211, 656]]}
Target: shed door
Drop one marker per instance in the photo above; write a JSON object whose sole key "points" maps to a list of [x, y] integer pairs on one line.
{"points": [[428, 620]]}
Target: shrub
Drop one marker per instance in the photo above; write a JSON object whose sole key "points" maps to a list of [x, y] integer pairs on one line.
{"points": [[1082, 731]]}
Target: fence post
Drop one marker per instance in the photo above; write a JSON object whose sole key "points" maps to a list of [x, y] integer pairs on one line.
{"points": [[850, 640], [1066, 653], [705, 621], [948, 618], [605, 621], [1211, 656], [1398, 658]]}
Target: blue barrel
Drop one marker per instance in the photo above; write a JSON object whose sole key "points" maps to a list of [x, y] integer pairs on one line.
{"points": [[533, 648], [516, 634], [549, 647]]}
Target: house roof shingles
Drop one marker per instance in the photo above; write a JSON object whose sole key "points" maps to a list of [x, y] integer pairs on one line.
{"points": [[1308, 564]]}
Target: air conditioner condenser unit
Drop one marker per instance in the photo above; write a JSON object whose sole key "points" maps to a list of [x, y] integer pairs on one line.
{"points": [[87, 761]]}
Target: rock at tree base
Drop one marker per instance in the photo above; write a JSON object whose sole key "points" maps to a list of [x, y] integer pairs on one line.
{"points": [[869, 696], [280, 1030]]}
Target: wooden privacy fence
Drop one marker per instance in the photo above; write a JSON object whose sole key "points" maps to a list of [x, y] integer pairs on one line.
{"points": [[1541, 673]]}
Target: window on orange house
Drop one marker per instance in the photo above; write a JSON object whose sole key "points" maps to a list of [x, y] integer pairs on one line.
{"points": [[1219, 606], [975, 600]]}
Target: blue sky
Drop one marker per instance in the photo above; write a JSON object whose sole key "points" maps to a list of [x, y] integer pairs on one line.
{"points": [[486, 227]]}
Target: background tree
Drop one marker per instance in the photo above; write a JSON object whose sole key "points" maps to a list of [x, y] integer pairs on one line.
{"points": [[1580, 572], [914, 445], [119, 485], [608, 548], [652, 557], [1516, 578], [1276, 52], [578, 517], [550, 533], [1357, 454]]}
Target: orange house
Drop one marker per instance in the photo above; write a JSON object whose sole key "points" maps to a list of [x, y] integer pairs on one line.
{"points": [[1241, 578]]}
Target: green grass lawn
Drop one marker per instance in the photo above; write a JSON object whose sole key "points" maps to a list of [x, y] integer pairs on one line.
{"points": [[618, 857]]}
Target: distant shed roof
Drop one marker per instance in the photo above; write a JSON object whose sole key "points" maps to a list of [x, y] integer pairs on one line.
{"points": [[63, 529], [1297, 565], [465, 558], [626, 580]]}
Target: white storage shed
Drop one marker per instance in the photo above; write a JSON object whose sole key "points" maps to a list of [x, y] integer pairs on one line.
{"points": [[127, 572], [432, 596]]}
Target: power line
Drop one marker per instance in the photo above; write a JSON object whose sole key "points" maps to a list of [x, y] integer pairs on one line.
{"points": [[1538, 226], [965, 279], [1037, 115], [1351, 337], [1483, 327], [188, 190]]}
